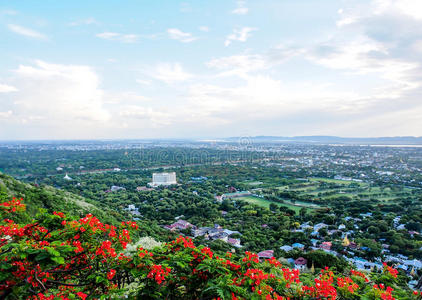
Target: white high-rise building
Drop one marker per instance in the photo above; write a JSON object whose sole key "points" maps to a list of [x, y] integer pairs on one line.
{"points": [[163, 178]]}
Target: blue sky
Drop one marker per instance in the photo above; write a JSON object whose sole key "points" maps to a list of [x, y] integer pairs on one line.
{"points": [[204, 69]]}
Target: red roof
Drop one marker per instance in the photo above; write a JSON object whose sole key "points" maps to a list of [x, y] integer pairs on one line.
{"points": [[266, 254], [326, 245], [301, 261]]}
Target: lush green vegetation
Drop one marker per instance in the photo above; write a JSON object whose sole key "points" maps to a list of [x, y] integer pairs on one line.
{"points": [[55, 256], [282, 199]]}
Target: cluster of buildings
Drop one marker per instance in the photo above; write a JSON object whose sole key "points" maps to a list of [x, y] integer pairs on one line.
{"points": [[354, 163], [351, 249], [209, 233]]}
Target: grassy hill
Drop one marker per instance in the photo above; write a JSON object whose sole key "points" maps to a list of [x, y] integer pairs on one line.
{"points": [[52, 199]]}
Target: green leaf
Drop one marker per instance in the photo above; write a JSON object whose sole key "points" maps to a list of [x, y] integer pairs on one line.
{"points": [[43, 255], [58, 259], [53, 251], [4, 275], [5, 266]]}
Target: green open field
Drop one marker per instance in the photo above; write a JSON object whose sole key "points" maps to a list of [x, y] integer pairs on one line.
{"points": [[266, 203], [322, 190], [336, 181]]}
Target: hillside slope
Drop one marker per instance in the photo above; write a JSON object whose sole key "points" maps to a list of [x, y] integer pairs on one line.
{"points": [[52, 199]]}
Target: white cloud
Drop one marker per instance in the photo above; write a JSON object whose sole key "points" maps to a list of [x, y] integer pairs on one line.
{"points": [[240, 35], [177, 34], [262, 100], [170, 73], [143, 81], [241, 9], [4, 88], [120, 37], [149, 115], [411, 8], [204, 28], [345, 21], [259, 98], [239, 65], [59, 93], [124, 98], [242, 64], [88, 21], [381, 42], [5, 114], [28, 32]]}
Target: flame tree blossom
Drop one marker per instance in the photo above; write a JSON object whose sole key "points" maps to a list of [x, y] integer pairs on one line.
{"points": [[56, 256]]}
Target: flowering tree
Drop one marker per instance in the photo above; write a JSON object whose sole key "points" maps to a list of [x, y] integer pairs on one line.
{"points": [[57, 257]]}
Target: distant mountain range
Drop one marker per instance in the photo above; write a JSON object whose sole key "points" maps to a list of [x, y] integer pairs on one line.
{"points": [[320, 139], [312, 139]]}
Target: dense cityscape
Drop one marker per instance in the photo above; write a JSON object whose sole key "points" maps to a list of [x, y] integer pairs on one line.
{"points": [[310, 205]]}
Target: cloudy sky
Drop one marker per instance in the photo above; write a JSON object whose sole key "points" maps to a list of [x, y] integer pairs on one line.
{"points": [[166, 68]]}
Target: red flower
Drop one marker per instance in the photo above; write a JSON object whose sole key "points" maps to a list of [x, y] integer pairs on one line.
{"points": [[158, 273], [82, 295], [207, 251], [111, 274]]}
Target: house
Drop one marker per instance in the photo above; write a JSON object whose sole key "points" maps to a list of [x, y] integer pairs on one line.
{"points": [[366, 215], [363, 264], [234, 242], [266, 254], [412, 233], [219, 198], [215, 233], [230, 232], [305, 226], [326, 246], [318, 226], [416, 264], [232, 189], [314, 242], [116, 188], [353, 246], [143, 189], [298, 246], [360, 263], [301, 263], [200, 231], [219, 235], [401, 227], [179, 225], [291, 262], [331, 232], [286, 248], [199, 179]]}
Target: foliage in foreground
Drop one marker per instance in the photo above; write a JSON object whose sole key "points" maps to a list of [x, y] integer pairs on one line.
{"points": [[56, 257]]}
